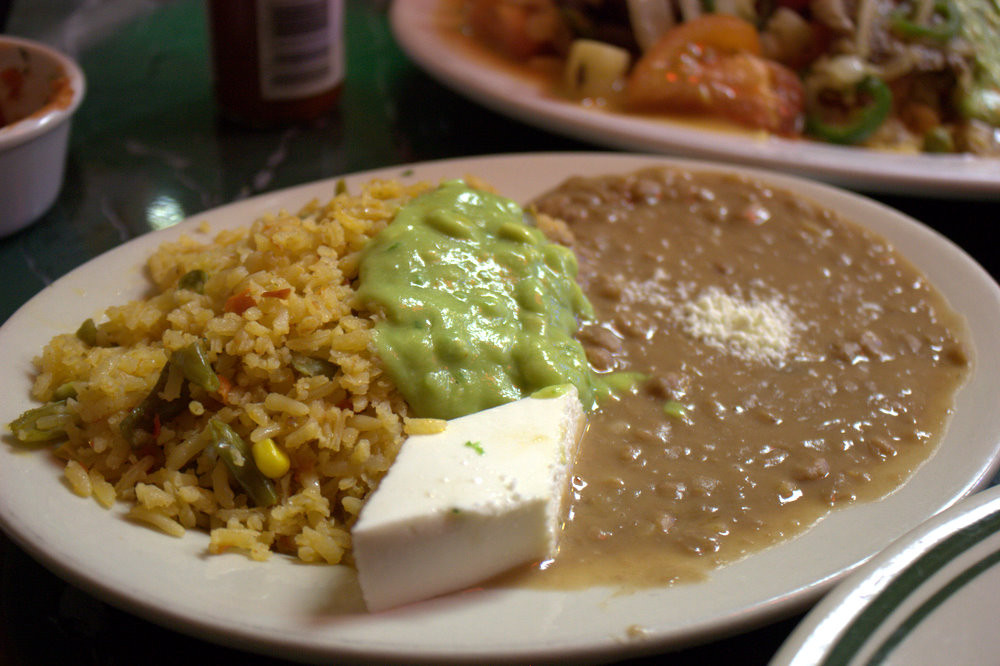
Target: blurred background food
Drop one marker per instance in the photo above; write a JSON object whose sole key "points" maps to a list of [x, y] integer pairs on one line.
{"points": [[920, 75]]}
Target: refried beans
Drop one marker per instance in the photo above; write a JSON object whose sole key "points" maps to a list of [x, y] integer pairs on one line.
{"points": [[790, 362]]}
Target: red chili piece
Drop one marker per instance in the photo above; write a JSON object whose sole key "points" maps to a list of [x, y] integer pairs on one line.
{"points": [[240, 303]]}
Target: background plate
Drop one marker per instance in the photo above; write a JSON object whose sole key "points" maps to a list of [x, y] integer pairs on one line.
{"points": [[930, 598], [418, 30], [314, 612]]}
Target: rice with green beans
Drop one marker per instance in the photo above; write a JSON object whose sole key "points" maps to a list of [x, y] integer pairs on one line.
{"points": [[250, 346]]}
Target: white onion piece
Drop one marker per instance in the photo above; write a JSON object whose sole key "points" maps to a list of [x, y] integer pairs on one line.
{"points": [[650, 19]]}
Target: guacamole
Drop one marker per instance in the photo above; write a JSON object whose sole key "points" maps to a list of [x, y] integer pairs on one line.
{"points": [[480, 308]]}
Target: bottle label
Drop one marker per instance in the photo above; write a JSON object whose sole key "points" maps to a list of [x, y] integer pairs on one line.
{"points": [[301, 47]]}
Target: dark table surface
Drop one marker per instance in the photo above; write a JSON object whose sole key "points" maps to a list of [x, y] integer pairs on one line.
{"points": [[148, 150]]}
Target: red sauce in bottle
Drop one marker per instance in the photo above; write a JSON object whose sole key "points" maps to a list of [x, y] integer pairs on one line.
{"points": [[276, 62]]}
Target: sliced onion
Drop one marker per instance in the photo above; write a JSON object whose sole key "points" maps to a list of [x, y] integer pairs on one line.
{"points": [[865, 19], [650, 19]]}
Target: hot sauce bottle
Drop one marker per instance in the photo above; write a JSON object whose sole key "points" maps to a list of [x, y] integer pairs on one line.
{"points": [[276, 62]]}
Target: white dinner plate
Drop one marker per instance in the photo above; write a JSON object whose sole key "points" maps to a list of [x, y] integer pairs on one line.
{"points": [[418, 30], [930, 598], [314, 612]]}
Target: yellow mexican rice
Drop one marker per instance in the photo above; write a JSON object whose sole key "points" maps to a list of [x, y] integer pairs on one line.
{"points": [[292, 378]]}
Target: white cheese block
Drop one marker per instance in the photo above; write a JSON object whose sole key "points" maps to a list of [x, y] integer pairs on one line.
{"points": [[468, 503]]}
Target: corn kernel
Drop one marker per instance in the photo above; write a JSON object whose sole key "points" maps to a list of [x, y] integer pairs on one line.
{"points": [[270, 459]]}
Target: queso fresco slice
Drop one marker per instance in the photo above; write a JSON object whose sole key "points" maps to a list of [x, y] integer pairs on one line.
{"points": [[463, 505]]}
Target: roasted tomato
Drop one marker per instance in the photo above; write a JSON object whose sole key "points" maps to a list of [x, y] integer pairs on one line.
{"points": [[712, 65]]}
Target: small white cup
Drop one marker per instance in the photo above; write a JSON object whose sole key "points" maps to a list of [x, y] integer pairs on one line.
{"points": [[40, 89]]}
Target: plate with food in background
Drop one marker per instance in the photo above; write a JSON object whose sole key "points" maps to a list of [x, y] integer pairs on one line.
{"points": [[344, 419], [871, 96]]}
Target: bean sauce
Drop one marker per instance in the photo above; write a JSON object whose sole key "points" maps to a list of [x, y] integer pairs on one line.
{"points": [[791, 362]]}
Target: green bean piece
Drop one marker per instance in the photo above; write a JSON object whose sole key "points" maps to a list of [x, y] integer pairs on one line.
{"points": [[193, 362], [340, 187], [42, 424], [143, 416], [310, 367], [236, 454], [65, 391], [88, 332], [193, 280]]}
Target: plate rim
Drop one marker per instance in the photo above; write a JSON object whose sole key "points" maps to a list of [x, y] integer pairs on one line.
{"points": [[779, 604], [839, 610]]}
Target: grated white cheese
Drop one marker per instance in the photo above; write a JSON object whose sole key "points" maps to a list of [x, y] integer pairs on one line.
{"points": [[757, 330]]}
